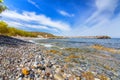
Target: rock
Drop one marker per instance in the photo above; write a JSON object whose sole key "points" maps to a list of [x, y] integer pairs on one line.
{"points": [[97, 79], [1, 78], [58, 77], [64, 75], [71, 78], [26, 79], [42, 68], [25, 71], [32, 75], [78, 78], [20, 78], [35, 64], [58, 70], [39, 71]]}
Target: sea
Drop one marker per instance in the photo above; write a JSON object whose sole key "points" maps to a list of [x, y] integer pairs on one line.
{"points": [[78, 42]]}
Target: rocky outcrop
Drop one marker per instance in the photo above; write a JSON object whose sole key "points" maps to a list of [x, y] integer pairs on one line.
{"points": [[103, 37]]}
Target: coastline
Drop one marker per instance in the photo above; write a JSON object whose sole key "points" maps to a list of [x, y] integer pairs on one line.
{"points": [[32, 61]]}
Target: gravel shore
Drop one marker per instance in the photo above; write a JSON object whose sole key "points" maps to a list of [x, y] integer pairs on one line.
{"points": [[21, 60]]}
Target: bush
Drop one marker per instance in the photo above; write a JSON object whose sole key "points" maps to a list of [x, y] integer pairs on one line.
{"points": [[3, 27], [10, 31]]}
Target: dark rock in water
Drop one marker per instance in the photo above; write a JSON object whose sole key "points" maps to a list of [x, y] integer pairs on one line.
{"points": [[103, 37], [10, 41]]}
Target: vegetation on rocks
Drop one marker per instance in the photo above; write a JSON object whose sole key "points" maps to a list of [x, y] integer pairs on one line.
{"points": [[2, 6], [100, 47]]}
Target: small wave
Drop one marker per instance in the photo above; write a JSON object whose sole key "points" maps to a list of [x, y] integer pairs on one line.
{"points": [[47, 45], [32, 41]]}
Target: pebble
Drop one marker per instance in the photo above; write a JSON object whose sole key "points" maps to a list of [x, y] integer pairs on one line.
{"points": [[58, 77], [29, 63], [25, 71]]}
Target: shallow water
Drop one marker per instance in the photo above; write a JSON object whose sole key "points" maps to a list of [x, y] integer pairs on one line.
{"points": [[78, 42], [75, 47]]}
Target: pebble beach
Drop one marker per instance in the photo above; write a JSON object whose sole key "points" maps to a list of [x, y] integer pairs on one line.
{"points": [[22, 60]]}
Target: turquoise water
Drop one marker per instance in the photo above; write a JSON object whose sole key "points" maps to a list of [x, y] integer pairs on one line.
{"points": [[78, 42]]}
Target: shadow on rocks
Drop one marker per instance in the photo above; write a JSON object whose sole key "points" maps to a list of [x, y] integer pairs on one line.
{"points": [[11, 42]]}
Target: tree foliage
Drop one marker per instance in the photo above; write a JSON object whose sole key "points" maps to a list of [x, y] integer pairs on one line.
{"points": [[2, 6], [3, 27], [1, 1], [11, 31]]}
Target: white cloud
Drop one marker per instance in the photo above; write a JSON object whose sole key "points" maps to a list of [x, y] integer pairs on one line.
{"points": [[101, 22], [19, 25], [64, 13], [32, 2], [106, 5], [105, 9], [106, 27], [42, 22]]}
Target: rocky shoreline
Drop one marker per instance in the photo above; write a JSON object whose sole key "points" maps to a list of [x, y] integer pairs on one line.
{"points": [[21, 60]]}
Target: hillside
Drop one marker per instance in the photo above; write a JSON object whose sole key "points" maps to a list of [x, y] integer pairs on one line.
{"points": [[10, 31]]}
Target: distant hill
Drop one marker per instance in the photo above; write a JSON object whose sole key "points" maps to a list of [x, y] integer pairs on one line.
{"points": [[10, 31], [44, 34], [86, 37]]}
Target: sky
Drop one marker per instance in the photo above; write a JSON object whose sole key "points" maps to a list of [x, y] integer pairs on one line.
{"points": [[65, 17]]}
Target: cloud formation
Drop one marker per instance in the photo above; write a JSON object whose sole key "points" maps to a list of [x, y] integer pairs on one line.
{"points": [[33, 3], [64, 13], [101, 22], [32, 20], [105, 9]]}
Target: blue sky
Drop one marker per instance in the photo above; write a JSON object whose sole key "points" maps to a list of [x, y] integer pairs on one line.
{"points": [[65, 17]]}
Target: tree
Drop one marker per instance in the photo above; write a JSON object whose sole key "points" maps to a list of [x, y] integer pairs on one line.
{"points": [[3, 27], [1, 1], [2, 6]]}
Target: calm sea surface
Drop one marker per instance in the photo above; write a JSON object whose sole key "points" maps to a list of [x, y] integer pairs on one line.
{"points": [[78, 42]]}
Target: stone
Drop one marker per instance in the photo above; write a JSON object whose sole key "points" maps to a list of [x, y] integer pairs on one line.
{"points": [[35, 64], [58, 77], [64, 75], [25, 71], [39, 71], [32, 75], [97, 79], [71, 78], [19, 78]]}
